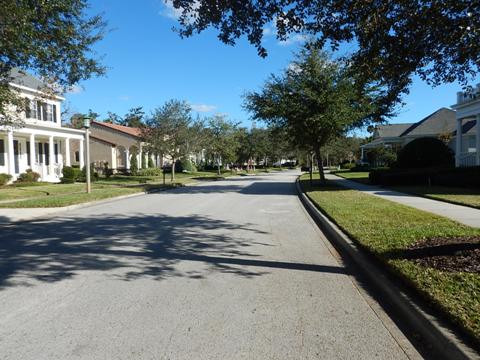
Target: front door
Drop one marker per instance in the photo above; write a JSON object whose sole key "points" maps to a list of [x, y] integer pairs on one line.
{"points": [[16, 156]]}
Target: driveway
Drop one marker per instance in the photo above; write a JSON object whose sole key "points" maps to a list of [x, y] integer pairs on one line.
{"points": [[223, 270]]}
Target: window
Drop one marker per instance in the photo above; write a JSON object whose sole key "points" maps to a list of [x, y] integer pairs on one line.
{"points": [[47, 153], [77, 156], [39, 110], [2, 153], [55, 147], [54, 113], [40, 153], [28, 154]]}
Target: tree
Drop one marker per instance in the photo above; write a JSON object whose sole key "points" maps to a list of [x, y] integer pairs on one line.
{"points": [[341, 149], [222, 142], [134, 162], [171, 131], [133, 118], [314, 101], [393, 40], [113, 118], [52, 39]]}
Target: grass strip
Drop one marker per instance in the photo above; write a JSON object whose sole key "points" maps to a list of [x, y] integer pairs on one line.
{"points": [[386, 229]]}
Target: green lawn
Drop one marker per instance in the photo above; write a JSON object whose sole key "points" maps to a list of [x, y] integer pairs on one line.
{"points": [[461, 196], [361, 176], [386, 229], [56, 195]]}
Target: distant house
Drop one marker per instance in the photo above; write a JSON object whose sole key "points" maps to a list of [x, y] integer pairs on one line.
{"points": [[467, 149], [440, 124], [42, 144], [114, 144]]}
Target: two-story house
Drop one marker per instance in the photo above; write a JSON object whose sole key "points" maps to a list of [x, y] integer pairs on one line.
{"points": [[42, 144]]}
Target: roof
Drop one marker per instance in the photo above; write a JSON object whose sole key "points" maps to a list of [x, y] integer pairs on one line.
{"points": [[391, 130], [102, 140], [441, 121], [132, 131], [22, 78]]}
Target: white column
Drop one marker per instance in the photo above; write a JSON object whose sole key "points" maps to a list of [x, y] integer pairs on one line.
{"points": [[458, 143], [32, 151], [10, 155], [81, 154], [51, 155], [127, 159], [67, 152], [477, 134]]}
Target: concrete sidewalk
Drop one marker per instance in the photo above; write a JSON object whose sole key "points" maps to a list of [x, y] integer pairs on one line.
{"points": [[462, 214]]}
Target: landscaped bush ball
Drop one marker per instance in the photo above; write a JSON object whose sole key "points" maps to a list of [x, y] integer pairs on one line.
{"points": [[71, 174], [28, 176], [185, 165], [4, 179], [425, 152]]}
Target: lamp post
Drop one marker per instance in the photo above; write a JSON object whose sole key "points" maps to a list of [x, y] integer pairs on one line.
{"points": [[86, 125]]}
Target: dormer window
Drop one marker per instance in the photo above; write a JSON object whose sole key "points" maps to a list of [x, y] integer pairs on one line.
{"points": [[41, 111]]}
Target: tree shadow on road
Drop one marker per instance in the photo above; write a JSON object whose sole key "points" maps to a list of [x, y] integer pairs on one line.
{"points": [[133, 247]]}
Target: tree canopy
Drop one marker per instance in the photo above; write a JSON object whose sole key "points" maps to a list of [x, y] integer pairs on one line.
{"points": [[314, 101], [171, 131], [52, 39], [390, 40]]}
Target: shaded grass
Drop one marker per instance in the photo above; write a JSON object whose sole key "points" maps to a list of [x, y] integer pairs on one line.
{"points": [[361, 176], [386, 229]]}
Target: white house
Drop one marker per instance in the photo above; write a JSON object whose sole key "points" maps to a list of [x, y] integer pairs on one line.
{"points": [[42, 144], [467, 147]]}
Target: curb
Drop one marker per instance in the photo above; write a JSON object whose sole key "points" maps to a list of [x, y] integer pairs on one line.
{"points": [[444, 343]]}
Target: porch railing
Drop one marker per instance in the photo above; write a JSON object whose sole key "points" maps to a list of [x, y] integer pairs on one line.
{"points": [[468, 159]]}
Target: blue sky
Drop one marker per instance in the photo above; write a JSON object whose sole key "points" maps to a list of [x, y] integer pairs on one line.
{"points": [[148, 64]]}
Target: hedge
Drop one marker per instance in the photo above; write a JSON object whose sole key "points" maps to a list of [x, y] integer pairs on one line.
{"points": [[459, 177]]}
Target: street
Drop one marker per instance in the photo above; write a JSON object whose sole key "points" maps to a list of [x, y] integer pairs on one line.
{"points": [[231, 269]]}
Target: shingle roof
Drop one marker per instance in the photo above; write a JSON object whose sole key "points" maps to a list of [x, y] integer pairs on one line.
{"points": [[441, 121], [133, 131], [391, 130], [22, 78]]}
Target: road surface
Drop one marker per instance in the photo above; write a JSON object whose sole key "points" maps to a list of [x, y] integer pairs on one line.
{"points": [[223, 270]]}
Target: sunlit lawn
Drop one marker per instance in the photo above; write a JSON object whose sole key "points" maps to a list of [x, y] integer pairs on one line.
{"points": [[386, 229]]}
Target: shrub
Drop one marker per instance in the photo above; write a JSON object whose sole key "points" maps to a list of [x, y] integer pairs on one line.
{"points": [[347, 166], [143, 161], [185, 165], [133, 164], [151, 164], [150, 172], [71, 174], [28, 176], [4, 179], [425, 152], [93, 174], [455, 177], [360, 167]]}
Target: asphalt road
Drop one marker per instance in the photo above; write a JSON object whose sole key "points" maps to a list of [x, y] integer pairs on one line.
{"points": [[223, 270]]}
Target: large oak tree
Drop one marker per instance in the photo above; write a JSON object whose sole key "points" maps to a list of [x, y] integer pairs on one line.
{"points": [[391, 40], [314, 101]]}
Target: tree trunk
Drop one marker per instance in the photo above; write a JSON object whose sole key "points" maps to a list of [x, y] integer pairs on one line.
{"points": [[218, 166], [320, 165], [173, 170]]}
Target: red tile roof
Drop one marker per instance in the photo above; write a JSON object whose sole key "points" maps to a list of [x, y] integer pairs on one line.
{"points": [[124, 129]]}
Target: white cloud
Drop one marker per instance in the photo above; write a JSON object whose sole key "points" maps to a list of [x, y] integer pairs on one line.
{"points": [[124, 97], [74, 89], [203, 108], [170, 11], [294, 39]]}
